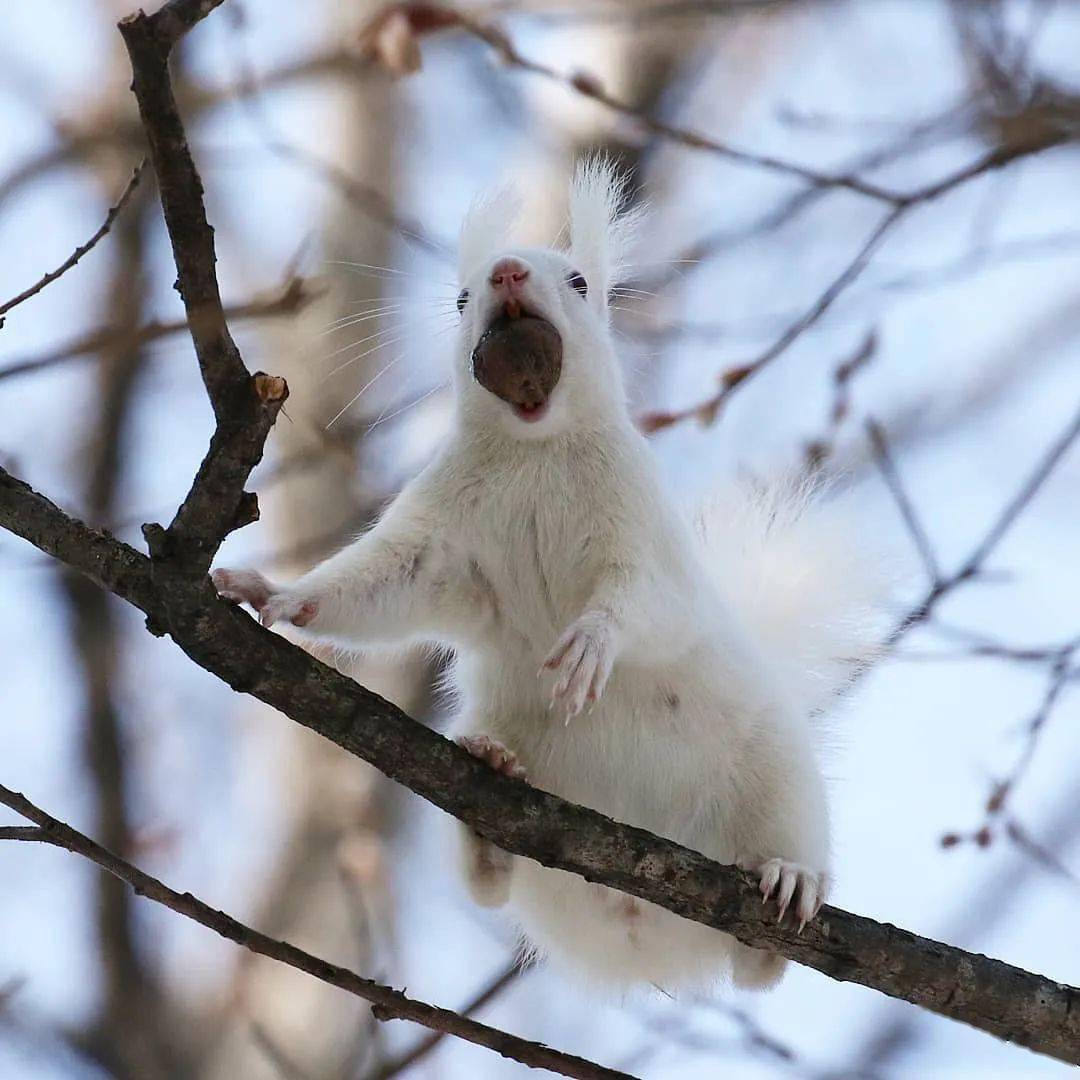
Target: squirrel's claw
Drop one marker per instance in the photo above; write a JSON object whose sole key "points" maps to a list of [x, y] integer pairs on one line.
{"points": [[789, 882], [583, 658], [271, 604]]}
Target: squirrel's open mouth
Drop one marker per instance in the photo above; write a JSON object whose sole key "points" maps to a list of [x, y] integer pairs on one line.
{"points": [[530, 413], [519, 359]]}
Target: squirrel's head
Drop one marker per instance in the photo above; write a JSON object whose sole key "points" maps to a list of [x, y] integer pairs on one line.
{"points": [[535, 354]]}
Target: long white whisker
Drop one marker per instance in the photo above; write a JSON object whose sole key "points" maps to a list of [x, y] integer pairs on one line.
{"points": [[384, 416], [384, 270], [423, 311], [381, 308], [353, 320], [362, 341], [404, 298], [360, 356], [364, 389], [661, 262], [371, 266]]}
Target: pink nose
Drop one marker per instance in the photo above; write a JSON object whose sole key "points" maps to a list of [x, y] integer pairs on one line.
{"points": [[509, 275]]}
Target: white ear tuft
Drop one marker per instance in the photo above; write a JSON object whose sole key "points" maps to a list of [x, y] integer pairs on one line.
{"points": [[600, 236], [487, 228]]}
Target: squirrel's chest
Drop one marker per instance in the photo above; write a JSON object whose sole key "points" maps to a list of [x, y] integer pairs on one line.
{"points": [[541, 548]]}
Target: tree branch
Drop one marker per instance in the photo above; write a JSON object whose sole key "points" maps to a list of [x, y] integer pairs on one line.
{"points": [[245, 407], [1005, 520], [386, 1003], [294, 297], [998, 998], [902, 205], [81, 250], [588, 86], [398, 1065]]}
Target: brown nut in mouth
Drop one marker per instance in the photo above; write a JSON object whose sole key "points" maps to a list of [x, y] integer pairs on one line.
{"points": [[519, 360]]}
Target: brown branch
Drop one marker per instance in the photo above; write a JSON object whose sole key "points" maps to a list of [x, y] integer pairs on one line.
{"points": [[82, 249], [589, 86], [996, 997], [245, 407], [973, 564], [386, 1003], [407, 1060], [292, 298], [1061, 672], [887, 467], [819, 450], [707, 411], [27, 832]]}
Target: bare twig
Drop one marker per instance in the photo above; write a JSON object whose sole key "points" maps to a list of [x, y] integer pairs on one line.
{"points": [[708, 410], [81, 250], [1061, 672], [294, 297], [819, 450], [386, 1003], [421, 1050], [589, 86], [973, 564], [886, 465]]}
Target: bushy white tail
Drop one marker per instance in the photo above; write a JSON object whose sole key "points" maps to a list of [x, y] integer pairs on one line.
{"points": [[794, 568]]}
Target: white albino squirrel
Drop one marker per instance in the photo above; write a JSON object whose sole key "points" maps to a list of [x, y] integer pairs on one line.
{"points": [[679, 667]]}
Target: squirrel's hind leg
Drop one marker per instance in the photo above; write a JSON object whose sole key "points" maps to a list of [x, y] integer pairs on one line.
{"points": [[755, 969], [487, 868]]}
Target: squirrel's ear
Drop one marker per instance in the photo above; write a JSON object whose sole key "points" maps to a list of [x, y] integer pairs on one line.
{"points": [[486, 228], [600, 231]]}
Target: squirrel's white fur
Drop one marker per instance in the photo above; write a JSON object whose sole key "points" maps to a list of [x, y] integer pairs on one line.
{"points": [[679, 666]]}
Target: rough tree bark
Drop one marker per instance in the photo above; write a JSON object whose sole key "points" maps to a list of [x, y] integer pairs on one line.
{"points": [[1006, 1001]]}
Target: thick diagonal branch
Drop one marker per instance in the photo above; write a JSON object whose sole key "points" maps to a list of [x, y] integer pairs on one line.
{"points": [[1006, 1001]]}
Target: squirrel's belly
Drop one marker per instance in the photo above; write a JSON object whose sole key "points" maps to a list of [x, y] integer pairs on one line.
{"points": [[638, 765]]}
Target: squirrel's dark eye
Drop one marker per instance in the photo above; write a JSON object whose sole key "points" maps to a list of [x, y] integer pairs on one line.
{"points": [[578, 283], [462, 300]]}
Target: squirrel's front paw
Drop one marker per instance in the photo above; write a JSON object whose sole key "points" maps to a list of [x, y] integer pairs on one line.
{"points": [[583, 658], [272, 604]]}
